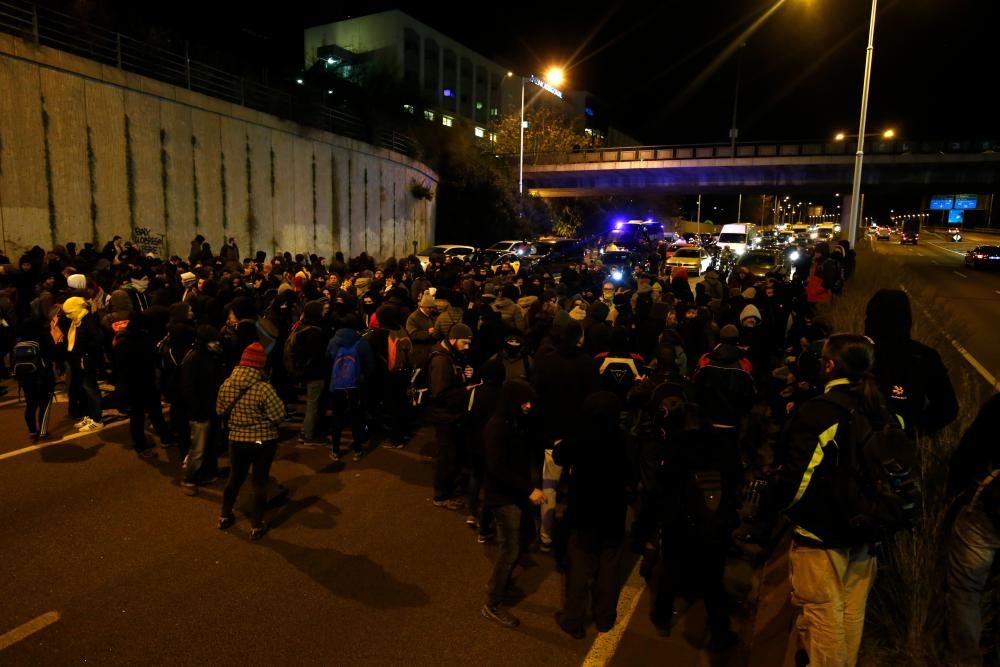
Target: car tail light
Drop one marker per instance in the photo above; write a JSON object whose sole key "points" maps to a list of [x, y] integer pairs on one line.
{"points": [[980, 256]]}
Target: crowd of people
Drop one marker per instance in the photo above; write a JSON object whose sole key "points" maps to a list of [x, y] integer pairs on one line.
{"points": [[570, 413]]}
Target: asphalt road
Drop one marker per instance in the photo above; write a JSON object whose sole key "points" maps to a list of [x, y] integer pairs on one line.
{"points": [[106, 561], [963, 302]]}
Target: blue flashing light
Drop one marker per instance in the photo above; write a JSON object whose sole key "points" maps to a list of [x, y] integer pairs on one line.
{"points": [[447, 92], [588, 111]]}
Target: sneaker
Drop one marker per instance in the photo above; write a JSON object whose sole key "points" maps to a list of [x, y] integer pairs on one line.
{"points": [[358, 456], [453, 504], [148, 453], [335, 457], [184, 463], [167, 444], [483, 538], [190, 489], [545, 547], [90, 426], [471, 521], [258, 532], [500, 616], [226, 520], [81, 423]]}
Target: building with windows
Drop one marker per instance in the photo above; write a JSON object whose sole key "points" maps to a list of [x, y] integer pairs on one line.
{"points": [[451, 84]]}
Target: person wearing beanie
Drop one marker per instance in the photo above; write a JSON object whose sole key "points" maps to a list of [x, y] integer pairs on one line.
{"points": [[421, 330], [190, 283], [251, 410], [449, 374], [202, 374], [749, 294], [750, 316], [729, 334], [77, 282], [451, 315]]}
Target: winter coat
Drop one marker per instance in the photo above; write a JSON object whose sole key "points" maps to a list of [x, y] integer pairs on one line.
{"points": [[348, 338], [724, 388], [202, 374], [511, 313], [418, 327]]}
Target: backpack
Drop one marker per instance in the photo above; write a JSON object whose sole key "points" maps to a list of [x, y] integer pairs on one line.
{"points": [[291, 355], [400, 353], [877, 484], [702, 501], [346, 372], [420, 384], [617, 374], [26, 361]]}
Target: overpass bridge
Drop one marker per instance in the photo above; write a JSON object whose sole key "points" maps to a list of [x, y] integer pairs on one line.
{"points": [[972, 166]]}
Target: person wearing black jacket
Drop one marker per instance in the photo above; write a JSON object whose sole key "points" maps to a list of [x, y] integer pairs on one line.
{"points": [[201, 374], [308, 340], [448, 376], [134, 358], [509, 491], [975, 535], [596, 509], [483, 402], [723, 384], [37, 385], [910, 375], [832, 567]]}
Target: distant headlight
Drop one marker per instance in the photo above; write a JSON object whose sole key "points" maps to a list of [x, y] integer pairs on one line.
{"points": [[617, 275], [814, 235], [740, 251], [794, 256]]}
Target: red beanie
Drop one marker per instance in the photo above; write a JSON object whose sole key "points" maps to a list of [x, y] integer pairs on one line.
{"points": [[254, 356]]}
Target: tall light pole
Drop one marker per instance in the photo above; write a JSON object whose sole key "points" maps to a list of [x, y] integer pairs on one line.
{"points": [[554, 76], [860, 155]]}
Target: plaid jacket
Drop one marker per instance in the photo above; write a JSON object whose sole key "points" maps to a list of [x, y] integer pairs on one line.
{"points": [[257, 413]]}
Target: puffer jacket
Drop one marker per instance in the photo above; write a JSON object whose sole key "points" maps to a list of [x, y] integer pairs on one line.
{"points": [[446, 320], [511, 313]]}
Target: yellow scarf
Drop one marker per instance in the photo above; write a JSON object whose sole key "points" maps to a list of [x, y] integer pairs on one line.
{"points": [[75, 309]]}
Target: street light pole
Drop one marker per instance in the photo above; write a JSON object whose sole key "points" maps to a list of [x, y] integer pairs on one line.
{"points": [[860, 155], [520, 174]]}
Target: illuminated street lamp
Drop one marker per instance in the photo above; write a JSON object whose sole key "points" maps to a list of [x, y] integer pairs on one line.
{"points": [[554, 76]]}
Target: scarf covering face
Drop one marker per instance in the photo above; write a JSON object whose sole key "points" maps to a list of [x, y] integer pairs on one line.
{"points": [[140, 284], [75, 309]]}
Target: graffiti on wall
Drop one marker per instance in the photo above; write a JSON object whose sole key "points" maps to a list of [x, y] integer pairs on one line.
{"points": [[147, 240]]}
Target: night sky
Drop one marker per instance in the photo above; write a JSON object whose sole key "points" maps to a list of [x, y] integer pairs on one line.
{"points": [[657, 65]]}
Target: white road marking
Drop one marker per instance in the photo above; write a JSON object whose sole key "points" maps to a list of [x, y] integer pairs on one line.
{"points": [[8, 639], [997, 291], [68, 438], [955, 344], [954, 252], [603, 649], [959, 273], [935, 262]]}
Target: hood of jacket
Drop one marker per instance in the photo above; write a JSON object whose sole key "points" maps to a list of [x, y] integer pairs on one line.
{"points": [[726, 354], [345, 337]]}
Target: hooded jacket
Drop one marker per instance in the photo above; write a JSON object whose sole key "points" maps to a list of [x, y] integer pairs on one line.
{"points": [[509, 449], [446, 382], [446, 320], [346, 337], [202, 375], [418, 326], [511, 313], [562, 381]]}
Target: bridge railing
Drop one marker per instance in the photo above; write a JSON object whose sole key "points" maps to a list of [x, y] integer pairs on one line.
{"points": [[754, 150], [47, 27]]}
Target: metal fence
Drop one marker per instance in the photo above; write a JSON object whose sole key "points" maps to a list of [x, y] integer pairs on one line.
{"points": [[764, 149], [47, 27]]}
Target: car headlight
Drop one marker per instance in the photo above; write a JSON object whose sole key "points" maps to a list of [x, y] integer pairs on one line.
{"points": [[814, 235], [794, 256], [740, 251], [616, 275]]}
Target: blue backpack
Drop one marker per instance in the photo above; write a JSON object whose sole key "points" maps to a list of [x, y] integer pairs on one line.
{"points": [[346, 372]]}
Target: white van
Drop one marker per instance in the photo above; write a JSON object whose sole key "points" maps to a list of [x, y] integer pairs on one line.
{"points": [[739, 238]]}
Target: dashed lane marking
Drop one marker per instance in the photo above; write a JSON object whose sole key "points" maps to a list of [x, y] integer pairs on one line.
{"points": [[603, 649], [955, 344], [12, 637], [68, 438], [960, 274]]}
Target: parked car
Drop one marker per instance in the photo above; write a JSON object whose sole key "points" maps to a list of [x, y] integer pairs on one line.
{"points": [[555, 254], [692, 258], [761, 262], [445, 250], [517, 247], [983, 257]]}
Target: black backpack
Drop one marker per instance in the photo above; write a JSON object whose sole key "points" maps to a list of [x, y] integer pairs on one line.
{"points": [[26, 361], [877, 484]]}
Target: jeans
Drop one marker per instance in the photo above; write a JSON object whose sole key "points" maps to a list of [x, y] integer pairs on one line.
{"points": [[180, 427], [314, 396], [84, 395], [593, 581], [202, 457], [830, 586], [508, 519], [38, 404], [974, 543], [446, 461], [551, 474], [242, 457], [140, 406], [347, 407]]}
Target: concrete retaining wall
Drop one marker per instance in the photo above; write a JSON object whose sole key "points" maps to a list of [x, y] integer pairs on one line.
{"points": [[88, 151]]}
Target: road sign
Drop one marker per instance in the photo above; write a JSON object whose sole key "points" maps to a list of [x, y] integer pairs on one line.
{"points": [[966, 202], [956, 216], [942, 203]]}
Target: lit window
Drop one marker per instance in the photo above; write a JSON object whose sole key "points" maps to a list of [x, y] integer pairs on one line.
{"points": [[479, 105], [480, 132], [493, 137], [408, 108], [494, 112], [524, 124], [447, 121], [428, 115], [447, 92]]}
